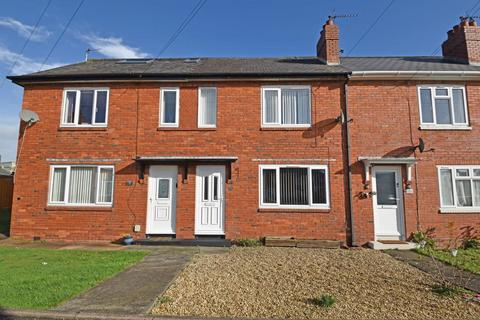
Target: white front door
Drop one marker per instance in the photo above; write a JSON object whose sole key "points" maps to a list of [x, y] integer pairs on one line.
{"points": [[210, 200], [162, 192], [388, 203]]}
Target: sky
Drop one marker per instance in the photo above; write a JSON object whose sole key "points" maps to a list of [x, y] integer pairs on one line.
{"points": [[222, 28]]}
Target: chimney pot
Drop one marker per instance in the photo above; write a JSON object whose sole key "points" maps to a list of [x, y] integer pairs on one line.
{"points": [[328, 48], [463, 43]]}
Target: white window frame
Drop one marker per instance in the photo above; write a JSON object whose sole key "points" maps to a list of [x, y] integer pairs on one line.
{"points": [[177, 107], [77, 107], [65, 202], [201, 108], [455, 207], [279, 96], [277, 205], [434, 125]]}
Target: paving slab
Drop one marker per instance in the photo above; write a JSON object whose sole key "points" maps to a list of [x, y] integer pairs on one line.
{"points": [[458, 277], [133, 291]]}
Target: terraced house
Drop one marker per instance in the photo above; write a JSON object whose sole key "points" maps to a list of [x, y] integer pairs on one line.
{"points": [[356, 149]]}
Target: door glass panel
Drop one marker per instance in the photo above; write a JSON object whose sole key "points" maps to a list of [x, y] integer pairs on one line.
{"points": [[386, 188], [205, 188], [163, 190], [215, 187]]}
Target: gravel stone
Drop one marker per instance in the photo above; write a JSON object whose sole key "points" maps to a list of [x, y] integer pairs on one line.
{"points": [[278, 283]]}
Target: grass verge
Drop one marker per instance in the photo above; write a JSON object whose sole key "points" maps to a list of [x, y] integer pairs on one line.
{"points": [[466, 259]]}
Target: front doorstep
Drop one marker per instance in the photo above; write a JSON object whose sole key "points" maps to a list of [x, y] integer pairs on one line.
{"points": [[209, 242], [376, 245]]}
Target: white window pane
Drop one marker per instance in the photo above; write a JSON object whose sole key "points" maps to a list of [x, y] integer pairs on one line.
{"points": [[82, 185], [319, 187], [442, 109], [101, 108], [441, 92], [426, 105], [289, 106], [208, 106], [69, 112], [86, 107], [476, 193], [169, 107], [462, 172], [458, 106], [269, 177], [446, 187], [476, 172], [303, 106], [294, 186], [105, 185], [58, 184], [464, 193], [271, 106]]}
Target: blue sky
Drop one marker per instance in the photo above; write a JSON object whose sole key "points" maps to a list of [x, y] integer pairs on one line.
{"points": [[138, 28]]}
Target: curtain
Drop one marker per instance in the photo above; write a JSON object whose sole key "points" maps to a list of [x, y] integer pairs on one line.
{"points": [[458, 106], [476, 192], [208, 101], [58, 184], [319, 190], [101, 112], [82, 184], [69, 115], [294, 186], [447, 188], [269, 185], [271, 106], [105, 185], [303, 106], [464, 193], [289, 106]]}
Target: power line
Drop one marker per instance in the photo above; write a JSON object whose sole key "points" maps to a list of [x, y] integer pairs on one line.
{"points": [[61, 34], [473, 8], [371, 27], [28, 40]]}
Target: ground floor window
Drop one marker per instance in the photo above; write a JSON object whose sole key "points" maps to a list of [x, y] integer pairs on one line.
{"points": [[459, 187], [295, 186], [81, 185]]}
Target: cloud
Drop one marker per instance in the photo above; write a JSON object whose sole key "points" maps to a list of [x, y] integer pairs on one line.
{"points": [[23, 64], [113, 47], [25, 30]]}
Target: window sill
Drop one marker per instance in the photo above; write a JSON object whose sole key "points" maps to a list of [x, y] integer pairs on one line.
{"points": [[178, 129], [444, 127], [77, 208], [293, 210], [82, 128], [285, 128], [459, 210]]}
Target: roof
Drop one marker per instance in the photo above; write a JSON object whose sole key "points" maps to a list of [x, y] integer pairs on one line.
{"points": [[181, 68]]}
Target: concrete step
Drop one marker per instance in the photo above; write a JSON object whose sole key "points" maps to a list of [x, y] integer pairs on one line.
{"points": [[376, 245], [185, 242]]}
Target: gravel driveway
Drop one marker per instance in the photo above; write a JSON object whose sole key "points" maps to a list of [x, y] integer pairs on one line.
{"points": [[278, 283]]}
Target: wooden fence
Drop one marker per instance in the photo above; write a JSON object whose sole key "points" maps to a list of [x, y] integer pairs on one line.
{"points": [[6, 192]]}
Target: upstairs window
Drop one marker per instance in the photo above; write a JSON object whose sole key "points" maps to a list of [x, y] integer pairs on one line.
{"points": [[293, 186], [459, 188], [85, 107], [443, 106], [207, 107], [169, 107], [286, 106]]}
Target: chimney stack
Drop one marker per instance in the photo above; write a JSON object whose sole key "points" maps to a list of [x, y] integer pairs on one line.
{"points": [[328, 49], [463, 42]]}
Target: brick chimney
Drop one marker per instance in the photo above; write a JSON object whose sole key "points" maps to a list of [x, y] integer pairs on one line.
{"points": [[327, 46], [463, 42]]}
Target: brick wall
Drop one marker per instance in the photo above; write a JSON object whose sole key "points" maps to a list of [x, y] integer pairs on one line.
{"points": [[133, 130]]}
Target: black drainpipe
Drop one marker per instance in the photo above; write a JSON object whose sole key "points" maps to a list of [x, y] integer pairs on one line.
{"points": [[351, 240]]}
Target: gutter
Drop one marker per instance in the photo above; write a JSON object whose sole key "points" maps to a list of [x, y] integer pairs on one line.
{"points": [[396, 75]]}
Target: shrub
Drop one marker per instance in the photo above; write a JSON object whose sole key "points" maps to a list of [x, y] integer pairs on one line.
{"points": [[164, 299], [424, 238], [325, 301], [248, 243], [471, 244], [444, 290]]}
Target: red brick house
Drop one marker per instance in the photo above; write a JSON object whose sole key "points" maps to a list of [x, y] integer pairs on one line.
{"points": [[318, 147]]}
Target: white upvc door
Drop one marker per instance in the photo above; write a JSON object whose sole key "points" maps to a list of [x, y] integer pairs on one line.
{"points": [[162, 194], [210, 200], [388, 203]]}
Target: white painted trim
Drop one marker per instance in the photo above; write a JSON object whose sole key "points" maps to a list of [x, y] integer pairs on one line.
{"points": [[279, 89], [460, 210], [415, 75], [177, 107], [77, 91], [444, 127], [277, 205], [455, 208], [201, 107]]}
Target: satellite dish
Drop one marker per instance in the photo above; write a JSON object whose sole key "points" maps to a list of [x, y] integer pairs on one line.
{"points": [[29, 116], [421, 145]]}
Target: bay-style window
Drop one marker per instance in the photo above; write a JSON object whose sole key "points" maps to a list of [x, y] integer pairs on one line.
{"points": [[459, 188], [81, 185], [85, 107], [169, 107], [286, 106], [207, 107], [443, 107], [294, 186]]}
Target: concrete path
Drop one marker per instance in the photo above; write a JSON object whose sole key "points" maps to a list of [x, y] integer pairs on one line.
{"points": [[133, 291], [452, 274]]}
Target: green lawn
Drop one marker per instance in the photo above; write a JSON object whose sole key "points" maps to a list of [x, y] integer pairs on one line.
{"points": [[467, 259], [4, 221], [43, 278]]}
